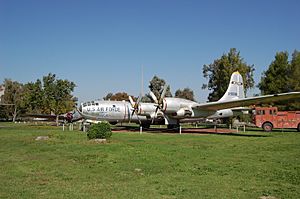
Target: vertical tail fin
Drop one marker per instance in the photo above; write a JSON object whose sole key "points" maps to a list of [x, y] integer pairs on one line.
{"points": [[235, 89]]}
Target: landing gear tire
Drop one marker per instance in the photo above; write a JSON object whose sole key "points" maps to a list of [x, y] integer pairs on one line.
{"points": [[267, 127], [173, 126], [146, 125]]}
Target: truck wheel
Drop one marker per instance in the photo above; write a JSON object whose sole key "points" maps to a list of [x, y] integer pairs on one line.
{"points": [[267, 127], [298, 128]]}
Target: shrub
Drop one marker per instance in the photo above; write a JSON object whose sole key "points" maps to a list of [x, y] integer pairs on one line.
{"points": [[99, 131]]}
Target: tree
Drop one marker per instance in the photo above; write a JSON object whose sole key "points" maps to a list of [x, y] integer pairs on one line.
{"points": [[282, 76], [120, 96], [275, 79], [156, 86], [48, 96], [117, 96], [57, 97], [186, 93], [294, 79], [33, 96], [108, 96], [146, 99], [219, 73], [13, 94]]}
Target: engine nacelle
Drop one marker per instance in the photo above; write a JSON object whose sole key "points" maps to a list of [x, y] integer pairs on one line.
{"points": [[182, 113], [171, 106], [146, 109], [178, 108], [221, 114]]}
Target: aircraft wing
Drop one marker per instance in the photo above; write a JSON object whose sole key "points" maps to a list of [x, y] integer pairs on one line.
{"points": [[213, 106], [46, 116]]}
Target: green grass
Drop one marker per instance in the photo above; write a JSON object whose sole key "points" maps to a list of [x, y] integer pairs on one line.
{"points": [[245, 165]]}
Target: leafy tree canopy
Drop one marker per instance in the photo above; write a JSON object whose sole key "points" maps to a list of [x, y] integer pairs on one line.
{"points": [[57, 94], [33, 96], [275, 79], [51, 95], [186, 93], [156, 86], [294, 80], [13, 94], [219, 73], [117, 96], [282, 76]]}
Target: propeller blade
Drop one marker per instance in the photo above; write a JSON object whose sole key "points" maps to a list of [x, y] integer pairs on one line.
{"points": [[153, 97], [138, 101], [132, 113], [130, 116], [135, 107], [131, 101], [137, 115], [155, 113], [162, 96]]}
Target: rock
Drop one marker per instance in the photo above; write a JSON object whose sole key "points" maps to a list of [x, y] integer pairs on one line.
{"points": [[42, 138], [138, 170], [100, 140], [267, 197]]}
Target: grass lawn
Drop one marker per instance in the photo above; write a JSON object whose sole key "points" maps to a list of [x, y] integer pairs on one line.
{"points": [[245, 165]]}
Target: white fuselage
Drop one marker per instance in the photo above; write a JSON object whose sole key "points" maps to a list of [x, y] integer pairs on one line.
{"points": [[116, 111], [176, 109]]}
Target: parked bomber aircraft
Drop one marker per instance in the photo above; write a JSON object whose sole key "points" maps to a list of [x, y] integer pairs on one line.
{"points": [[173, 111]]}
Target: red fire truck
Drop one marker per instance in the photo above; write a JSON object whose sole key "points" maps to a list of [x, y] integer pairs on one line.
{"points": [[269, 118]]}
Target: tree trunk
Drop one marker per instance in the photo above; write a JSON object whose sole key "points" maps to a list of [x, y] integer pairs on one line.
{"points": [[15, 114], [57, 117]]}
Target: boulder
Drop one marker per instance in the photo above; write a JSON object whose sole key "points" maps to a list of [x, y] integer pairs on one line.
{"points": [[100, 141], [42, 138]]}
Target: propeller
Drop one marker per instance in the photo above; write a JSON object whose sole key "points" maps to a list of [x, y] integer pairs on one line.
{"points": [[135, 106], [159, 101], [69, 117], [153, 97]]}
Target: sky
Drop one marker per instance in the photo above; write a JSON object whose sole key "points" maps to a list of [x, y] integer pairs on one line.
{"points": [[103, 45]]}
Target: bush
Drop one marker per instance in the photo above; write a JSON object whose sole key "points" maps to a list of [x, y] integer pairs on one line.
{"points": [[99, 131]]}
